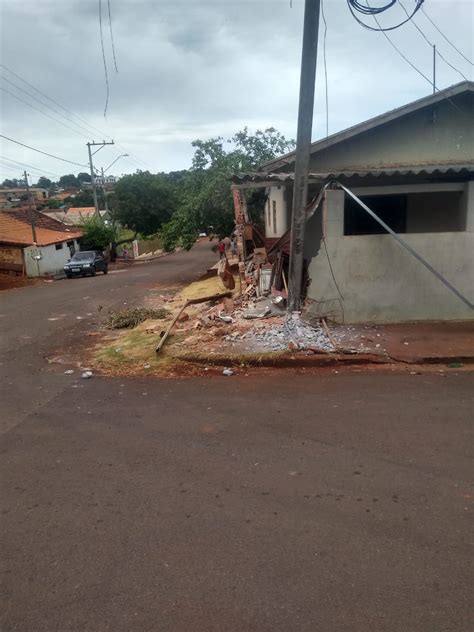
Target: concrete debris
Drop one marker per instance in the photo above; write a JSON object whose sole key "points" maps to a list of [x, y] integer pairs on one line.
{"points": [[293, 335], [250, 314], [227, 372], [224, 318], [69, 372], [86, 375]]}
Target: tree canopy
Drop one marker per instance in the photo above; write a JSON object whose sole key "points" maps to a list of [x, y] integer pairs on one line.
{"points": [[144, 202], [205, 195]]}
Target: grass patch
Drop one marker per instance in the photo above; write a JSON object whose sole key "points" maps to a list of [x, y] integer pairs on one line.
{"points": [[130, 318]]}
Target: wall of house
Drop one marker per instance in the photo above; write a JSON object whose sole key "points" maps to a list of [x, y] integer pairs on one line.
{"points": [[444, 131], [380, 281], [52, 261], [11, 259], [276, 212]]}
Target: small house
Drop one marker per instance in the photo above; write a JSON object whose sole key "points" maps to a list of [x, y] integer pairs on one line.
{"points": [[21, 254]]}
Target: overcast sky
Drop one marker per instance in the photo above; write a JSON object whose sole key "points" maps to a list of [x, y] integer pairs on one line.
{"points": [[200, 68]]}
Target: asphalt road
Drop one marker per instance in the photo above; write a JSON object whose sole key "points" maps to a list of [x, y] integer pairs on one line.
{"points": [[334, 502]]}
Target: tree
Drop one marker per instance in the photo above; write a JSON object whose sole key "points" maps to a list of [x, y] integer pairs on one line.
{"points": [[13, 183], [85, 198], [68, 180], [44, 183], [96, 234], [205, 196], [53, 204], [144, 202], [83, 177]]}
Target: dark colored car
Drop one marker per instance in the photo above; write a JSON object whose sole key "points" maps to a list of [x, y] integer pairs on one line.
{"points": [[85, 262]]}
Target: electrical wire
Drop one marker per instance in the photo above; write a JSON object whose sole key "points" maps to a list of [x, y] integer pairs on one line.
{"points": [[45, 153], [412, 65], [330, 268], [33, 107], [446, 38], [46, 105], [431, 44], [89, 125], [325, 66], [356, 7], [103, 59], [112, 36], [24, 164]]}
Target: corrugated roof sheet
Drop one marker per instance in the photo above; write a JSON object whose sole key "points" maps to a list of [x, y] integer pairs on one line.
{"points": [[15, 228], [418, 170]]}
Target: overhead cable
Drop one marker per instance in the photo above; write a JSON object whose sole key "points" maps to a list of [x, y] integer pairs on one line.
{"points": [[103, 59], [431, 44], [112, 36], [356, 7], [469, 61], [45, 153]]}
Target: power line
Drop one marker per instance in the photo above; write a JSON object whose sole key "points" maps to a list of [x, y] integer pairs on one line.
{"points": [[412, 65], [46, 105], [33, 107], [45, 153], [24, 164], [447, 38], [89, 125], [112, 36], [356, 7], [103, 59], [431, 44]]}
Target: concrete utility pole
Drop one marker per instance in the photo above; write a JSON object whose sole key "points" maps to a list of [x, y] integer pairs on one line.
{"points": [[91, 165], [303, 148], [30, 210]]}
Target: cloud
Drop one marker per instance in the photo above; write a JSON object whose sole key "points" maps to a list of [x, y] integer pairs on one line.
{"points": [[191, 69]]}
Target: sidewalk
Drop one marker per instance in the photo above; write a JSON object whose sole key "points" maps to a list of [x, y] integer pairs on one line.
{"points": [[415, 342]]}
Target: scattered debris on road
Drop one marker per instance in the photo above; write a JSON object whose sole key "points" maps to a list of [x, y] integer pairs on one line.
{"points": [[86, 375], [69, 372]]}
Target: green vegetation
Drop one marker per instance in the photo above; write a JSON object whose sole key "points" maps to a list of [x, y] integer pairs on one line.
{"points": [[130, 318], [96, 234]]}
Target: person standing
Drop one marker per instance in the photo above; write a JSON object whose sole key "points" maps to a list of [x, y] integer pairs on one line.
{"points": [[221, 249]]}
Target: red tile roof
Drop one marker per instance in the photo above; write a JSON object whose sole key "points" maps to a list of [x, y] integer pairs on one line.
{"points": [[15, 228]]}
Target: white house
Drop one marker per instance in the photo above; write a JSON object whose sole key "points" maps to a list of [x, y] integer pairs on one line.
{"points": [[20, 254]]}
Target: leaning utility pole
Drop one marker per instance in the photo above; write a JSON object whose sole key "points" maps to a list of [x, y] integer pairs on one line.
{"points": [[91, 164], [303, 148], [30, 210]]}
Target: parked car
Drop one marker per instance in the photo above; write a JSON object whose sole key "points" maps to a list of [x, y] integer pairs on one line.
{"points": [[85, 262]]}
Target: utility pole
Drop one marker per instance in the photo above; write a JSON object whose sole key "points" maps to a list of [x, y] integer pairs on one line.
{"points": [[303, 148], [91, 164], [104, 191], [434, 68], [30, 210]]}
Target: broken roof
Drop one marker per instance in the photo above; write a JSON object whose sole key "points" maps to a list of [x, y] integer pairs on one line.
{"points": [[381, 119], [15, 228], [268, 179]]}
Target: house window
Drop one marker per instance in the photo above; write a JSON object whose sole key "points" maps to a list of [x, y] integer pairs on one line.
{"points": [[274, 216], [406, 213], [59, 246]]}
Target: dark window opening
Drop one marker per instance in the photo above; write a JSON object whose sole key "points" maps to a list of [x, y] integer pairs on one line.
{"points": [[392, 209], [430, 212], [59, 246], [274, 217]]}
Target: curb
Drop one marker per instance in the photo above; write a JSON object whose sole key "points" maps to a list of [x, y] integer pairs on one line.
{"points": [[284, 360]]}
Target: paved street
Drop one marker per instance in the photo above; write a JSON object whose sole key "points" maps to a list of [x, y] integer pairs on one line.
{"points": [[338, 502]]}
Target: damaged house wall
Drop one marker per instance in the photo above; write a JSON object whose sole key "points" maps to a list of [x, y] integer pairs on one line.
{"points": [[414, 167], [380, 282]]}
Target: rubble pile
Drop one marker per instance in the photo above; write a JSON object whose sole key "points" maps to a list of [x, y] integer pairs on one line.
{"points": [[291, 334]]}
